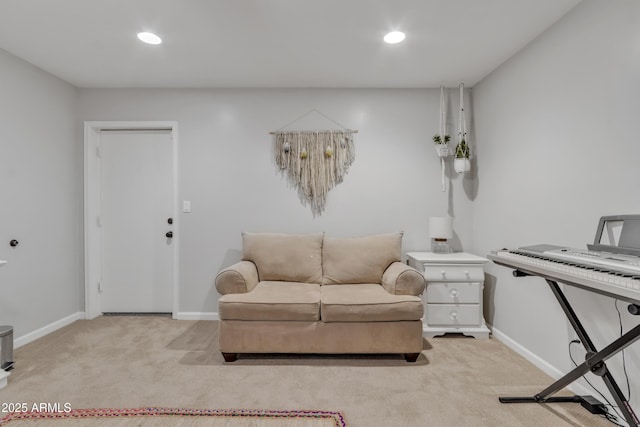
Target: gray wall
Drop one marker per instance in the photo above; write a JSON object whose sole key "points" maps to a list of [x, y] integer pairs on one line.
{"points": [[41, 180], [226, 169], [557, 142]]}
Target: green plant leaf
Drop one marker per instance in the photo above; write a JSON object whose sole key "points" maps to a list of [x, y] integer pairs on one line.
{"points": [[438, 140], [462, 150]]}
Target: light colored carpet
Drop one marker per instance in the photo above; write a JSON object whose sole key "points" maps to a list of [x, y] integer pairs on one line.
{"points": [[171, 417], [128, 362]]}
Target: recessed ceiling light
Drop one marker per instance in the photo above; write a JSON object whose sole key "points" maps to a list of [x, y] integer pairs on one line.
{"points": [[149, 38], [394, 37]]}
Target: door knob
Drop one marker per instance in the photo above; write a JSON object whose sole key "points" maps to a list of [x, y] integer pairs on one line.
{"points": [[169, 234], [170, 220]]}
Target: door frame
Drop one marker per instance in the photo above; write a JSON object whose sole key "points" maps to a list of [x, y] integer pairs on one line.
{"points": [[92, 197]]}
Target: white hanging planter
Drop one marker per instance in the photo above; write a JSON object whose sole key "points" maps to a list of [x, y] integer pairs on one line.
{"points": [[461, 162], [442, 148], [441, 139], [462, 165]]}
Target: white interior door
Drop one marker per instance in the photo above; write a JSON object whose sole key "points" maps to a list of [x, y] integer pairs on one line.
{"points": [[135, 207]]}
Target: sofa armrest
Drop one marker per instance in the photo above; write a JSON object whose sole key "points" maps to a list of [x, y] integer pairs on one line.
{"points": [[239, 278], [401, 279]]}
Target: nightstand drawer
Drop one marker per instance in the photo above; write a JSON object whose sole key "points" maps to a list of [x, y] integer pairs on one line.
{"points": [[454, 273], [453, 314], [453, 292]]}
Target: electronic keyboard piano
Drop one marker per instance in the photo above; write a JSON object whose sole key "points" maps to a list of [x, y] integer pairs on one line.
{"points": [[614, 275], [610, 273]]}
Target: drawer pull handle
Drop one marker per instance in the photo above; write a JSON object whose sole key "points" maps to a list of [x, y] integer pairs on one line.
{"points": [[453, 315], [454, 293], [443, 273], [466, 272]]}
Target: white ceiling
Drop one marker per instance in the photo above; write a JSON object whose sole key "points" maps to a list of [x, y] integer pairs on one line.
{"points": [[272, 43]]}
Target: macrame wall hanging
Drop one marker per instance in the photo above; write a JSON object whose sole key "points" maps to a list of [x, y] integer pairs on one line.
{"points": [[314, 161]]}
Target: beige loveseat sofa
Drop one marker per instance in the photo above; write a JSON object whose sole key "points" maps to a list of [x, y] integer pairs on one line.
{"points": [[316, 294]]}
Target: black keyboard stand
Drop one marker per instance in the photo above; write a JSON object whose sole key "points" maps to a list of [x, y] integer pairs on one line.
{"points": [[595, 361]]}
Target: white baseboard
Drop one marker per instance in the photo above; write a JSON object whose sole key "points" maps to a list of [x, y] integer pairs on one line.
{"points": [[539, 362], [39, 333], [194, 315]]}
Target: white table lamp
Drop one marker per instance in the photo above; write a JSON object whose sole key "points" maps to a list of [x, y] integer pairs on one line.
{"points": [[440, 231]]}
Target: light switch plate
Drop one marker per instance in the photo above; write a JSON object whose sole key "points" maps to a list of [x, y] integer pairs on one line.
{"points": [[186, 206]]}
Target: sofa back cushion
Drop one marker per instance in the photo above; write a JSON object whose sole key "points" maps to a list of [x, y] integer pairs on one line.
{"points": [[285, 257], [359, 259]]}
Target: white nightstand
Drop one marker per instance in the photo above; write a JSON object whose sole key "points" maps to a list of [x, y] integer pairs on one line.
{"points": [[453, 299]]}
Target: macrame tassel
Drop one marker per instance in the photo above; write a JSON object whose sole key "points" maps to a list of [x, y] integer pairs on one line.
{"points": [[314, 162]]}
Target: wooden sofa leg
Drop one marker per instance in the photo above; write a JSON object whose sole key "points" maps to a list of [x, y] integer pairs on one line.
{"points": [[411, 357], [230, 357]]}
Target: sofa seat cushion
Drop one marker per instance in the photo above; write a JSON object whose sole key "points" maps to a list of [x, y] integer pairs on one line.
{"points": [[273, 301], [367, 302]]}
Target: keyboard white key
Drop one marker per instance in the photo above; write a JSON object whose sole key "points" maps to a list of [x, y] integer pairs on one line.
{"points": [[616, 262]]}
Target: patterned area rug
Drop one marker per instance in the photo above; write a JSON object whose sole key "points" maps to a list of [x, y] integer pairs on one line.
{"points": [[160, 417]]}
